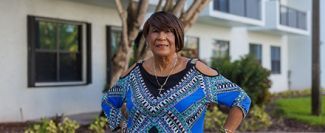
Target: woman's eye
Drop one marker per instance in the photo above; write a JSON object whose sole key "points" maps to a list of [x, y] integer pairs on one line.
{"points": [[154, 30]]}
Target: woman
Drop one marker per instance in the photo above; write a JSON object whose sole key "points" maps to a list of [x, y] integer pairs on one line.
{"points": [[170, 93]]}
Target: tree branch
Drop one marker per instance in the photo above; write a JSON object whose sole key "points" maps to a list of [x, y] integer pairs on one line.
{"points": [[178, 7], [191, 15], [158, 6], [138, 20], [168, 5]]}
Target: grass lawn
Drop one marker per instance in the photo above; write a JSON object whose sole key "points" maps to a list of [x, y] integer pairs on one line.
{"points": [[300, 109]]}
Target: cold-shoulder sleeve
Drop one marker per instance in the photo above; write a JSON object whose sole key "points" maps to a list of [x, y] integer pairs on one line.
{"points": [[222, 91], [112, 102]]}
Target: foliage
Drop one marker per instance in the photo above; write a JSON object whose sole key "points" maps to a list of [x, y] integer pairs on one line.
{"points": [[68, 126], [292, 93], [248, 74], [257, 119], [99, 125], [299, 109], [45, 126], [214, 119], [49, 126]]}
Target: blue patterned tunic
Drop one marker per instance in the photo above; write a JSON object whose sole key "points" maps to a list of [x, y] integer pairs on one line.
{"points": [[179, 109]]}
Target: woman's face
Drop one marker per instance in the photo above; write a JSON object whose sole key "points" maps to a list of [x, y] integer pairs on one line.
{"points": [[161, 43]]}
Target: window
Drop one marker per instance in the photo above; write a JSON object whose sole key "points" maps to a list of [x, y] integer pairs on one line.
{"points": [[256, 50], [58, 52], [220, 49], [244, 8], [292, 17], [275, 60], [191, 47]]}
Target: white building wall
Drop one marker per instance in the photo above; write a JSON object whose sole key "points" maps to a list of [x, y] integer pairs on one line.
{"points": [[239, 43], [19, 103], [239, 39], [299, 53], [279, 81], [207, 34]]}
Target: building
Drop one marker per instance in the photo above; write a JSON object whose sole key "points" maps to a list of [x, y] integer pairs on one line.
{"points": [[54, 54]]}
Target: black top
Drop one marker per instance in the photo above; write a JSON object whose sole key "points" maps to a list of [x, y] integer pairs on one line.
{"points": [[174, 79]]}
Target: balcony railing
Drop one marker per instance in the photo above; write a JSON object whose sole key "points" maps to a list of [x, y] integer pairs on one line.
{"points": [[292, 17], [244, 8]]}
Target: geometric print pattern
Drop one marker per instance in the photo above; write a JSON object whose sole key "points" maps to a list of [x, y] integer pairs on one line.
{"points": [[180, 109]]}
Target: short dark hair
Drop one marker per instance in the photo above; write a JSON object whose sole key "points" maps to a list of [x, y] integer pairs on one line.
{"points": [[164, 21]]}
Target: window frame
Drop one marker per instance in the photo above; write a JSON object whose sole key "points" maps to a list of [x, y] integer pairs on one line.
{"points": [[109, 50], [85, 44]]}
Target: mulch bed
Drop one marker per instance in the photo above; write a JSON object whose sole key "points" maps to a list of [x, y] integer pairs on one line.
{"points": [[280, 124], [18, 127], [288, 125]]}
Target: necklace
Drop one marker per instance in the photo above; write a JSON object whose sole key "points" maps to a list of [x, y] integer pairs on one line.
{"points": [[161, 88]]}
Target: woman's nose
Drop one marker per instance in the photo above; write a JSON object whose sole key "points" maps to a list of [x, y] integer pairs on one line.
{"points": [[162, 35]]}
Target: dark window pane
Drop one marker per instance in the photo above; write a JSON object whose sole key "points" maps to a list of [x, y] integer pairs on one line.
{"points": [[220, 49], [47, 35], [283, 15], [276, 60], [256, 50], [69, 37], [70, 67], [216, 4], [292, 18], [221, 5], [191, 47], [45, 67], [237, 7], [253, 9], [224, 5], [116, 38], [302, 20]]}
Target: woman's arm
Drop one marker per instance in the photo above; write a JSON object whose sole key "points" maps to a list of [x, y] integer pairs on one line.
{"points": [[222, 91], [113, 101], [234, 119]]}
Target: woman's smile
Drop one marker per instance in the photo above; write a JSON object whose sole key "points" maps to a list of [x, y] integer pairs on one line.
{"points": [[161, 45]]}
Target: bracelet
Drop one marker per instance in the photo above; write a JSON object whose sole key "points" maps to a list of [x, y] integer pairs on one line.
{"points": [[225, 130], [228, 130]]}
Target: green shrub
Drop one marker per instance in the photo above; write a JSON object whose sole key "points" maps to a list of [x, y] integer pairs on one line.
{"points": [[68, 126], [99, 125], [214, 119], [248, 74], [49, 126], [45, 126], [256, 120]]}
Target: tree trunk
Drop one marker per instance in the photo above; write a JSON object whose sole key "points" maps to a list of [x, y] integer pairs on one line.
{"points": [[316, 95]]}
